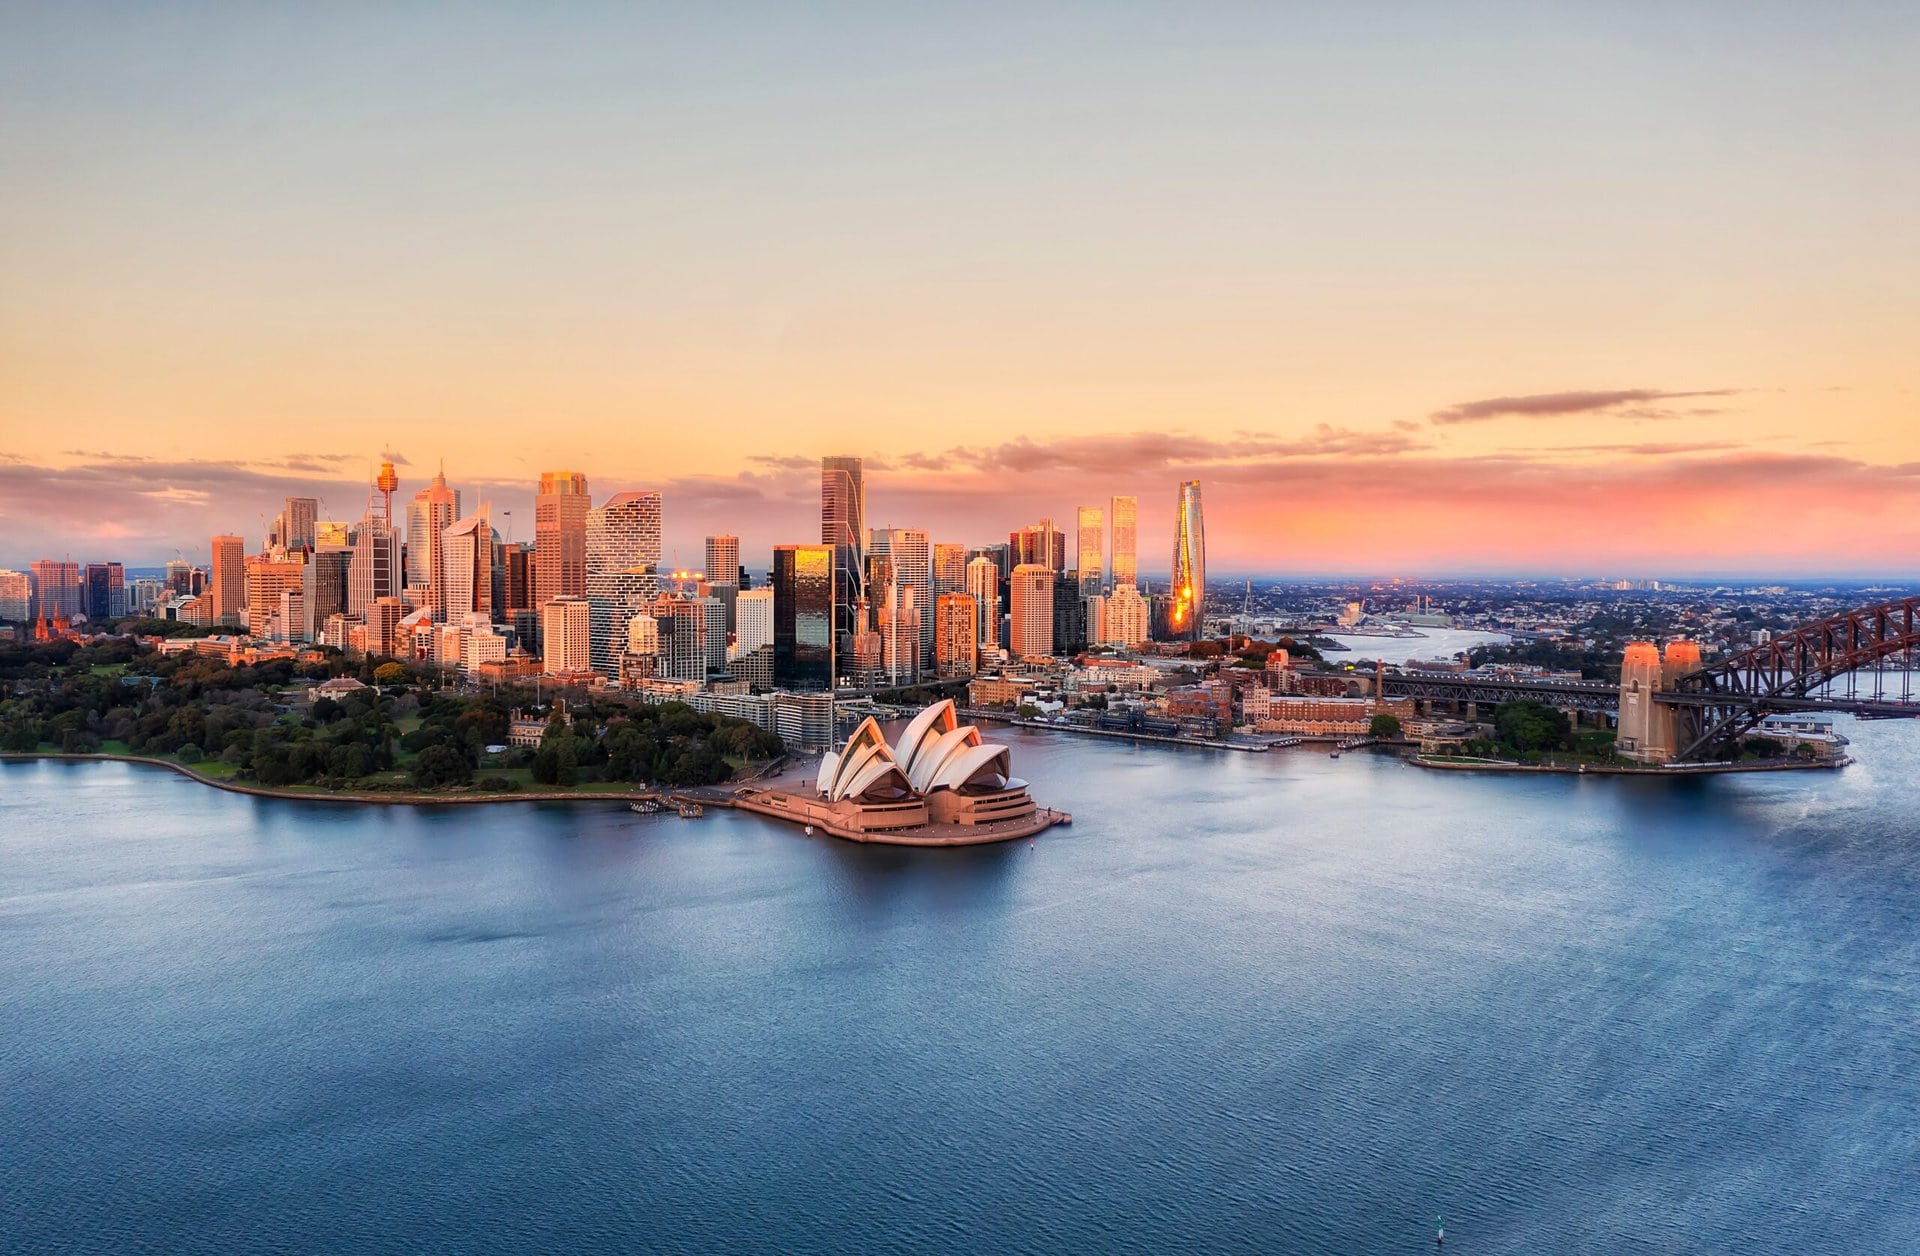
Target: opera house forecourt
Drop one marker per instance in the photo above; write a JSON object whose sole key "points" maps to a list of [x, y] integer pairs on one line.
{"points": [[939, 785]]}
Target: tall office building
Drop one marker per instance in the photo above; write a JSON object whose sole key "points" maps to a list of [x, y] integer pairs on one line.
{"points": [[682, 623], [295, 526], [324, 587], [560, 536], [843, 525], [564, 636], [105, 588], [467, 568], [1039, 544], [1030, 598], [1123, 516], [374, 573], [1189, 588], [956, 637], [1069, 614], [804, 580], [1090, 536], [983, 583], [623, 565], [16, 597], [432, 511], [229, 579]]}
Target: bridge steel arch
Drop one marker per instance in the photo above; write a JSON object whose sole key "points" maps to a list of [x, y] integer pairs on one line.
{"points": [[1721, 701]]}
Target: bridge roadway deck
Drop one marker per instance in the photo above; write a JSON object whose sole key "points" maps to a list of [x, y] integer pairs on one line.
{"points": [[1593, 695]]}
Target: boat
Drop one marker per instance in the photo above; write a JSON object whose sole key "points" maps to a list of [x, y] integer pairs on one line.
{"points": [[646, 807], [1334, 753]]}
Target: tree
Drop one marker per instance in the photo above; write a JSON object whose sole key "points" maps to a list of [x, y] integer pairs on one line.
{"points": [[1384, 726], [1531, 727], [1027, 711], [440, 766], [391, 674]]}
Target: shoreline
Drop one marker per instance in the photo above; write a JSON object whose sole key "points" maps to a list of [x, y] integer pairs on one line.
{"points": [[1600, 769], [394, 799]]}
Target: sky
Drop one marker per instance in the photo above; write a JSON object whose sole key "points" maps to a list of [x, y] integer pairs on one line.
{"points": [[1412, 289]]}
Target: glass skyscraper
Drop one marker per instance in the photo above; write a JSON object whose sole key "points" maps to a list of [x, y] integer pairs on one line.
{"points": [[843, 527], [1188, 593], [804, 619]]}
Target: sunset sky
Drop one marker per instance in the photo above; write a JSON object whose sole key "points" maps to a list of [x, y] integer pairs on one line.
{"points": [[1411, 288]]}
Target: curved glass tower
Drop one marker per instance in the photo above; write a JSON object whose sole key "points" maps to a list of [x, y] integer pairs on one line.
{"points": [[1189, 592]]}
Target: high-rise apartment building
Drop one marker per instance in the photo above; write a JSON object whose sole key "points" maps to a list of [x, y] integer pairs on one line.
{"points": [[1127, 616], [1090, 537], [229, 580], [956, 636], [1189, 588], [623, 564], [723, 559], [564, 636], [1123, 515], [1039, 544], [753, 638], [560, 536], [682, 623], [1030, 598], [983, 583], [432, 511], [912, 555], [804, 580], [16, 597], [843, 525]]}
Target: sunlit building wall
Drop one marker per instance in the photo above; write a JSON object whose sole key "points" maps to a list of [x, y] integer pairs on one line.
{"points": [[1123, 514], [560, 536], [1090, 536], [983, 583], [1030, 597], [804, 580]]}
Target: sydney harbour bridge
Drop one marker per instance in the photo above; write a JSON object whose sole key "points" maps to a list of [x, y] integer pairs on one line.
{"points": [[1682, 710]]}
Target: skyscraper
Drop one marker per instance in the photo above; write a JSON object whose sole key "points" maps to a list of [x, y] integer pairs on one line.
{"points": [[374, 572], [432, 511], [723, 559], [956, 636], [1189, 589], [1123, 516], [466, 566], [16, 597], [294, 529], [843, 525], [267, 579], [804, 615], [622, 574], [1126, 617], [913, 569], [105, 590], [753, 637], [229, 579], [983, 582], [1091, 540], [563, 635], [560, 536], [1040, 544], [56, 588], [1031, 603]]}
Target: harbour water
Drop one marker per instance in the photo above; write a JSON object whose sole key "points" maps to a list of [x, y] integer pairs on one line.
{"points": [[1252, 1003], [1432, 644]]}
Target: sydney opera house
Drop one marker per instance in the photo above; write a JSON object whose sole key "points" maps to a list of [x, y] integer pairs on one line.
{"points": [[940, 784]]}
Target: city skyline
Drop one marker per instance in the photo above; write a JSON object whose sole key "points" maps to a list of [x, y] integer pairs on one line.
{"points": [[1618, 294]]}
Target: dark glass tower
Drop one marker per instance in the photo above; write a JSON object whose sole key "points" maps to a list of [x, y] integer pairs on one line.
{"points": [[843, 527], [803, 616]]}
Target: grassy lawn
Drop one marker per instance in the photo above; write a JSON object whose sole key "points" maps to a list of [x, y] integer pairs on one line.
{"points": [[108, 669]]}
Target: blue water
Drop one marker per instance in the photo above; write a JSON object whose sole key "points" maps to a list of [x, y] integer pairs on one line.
{"points": [[1245, 1003]]}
